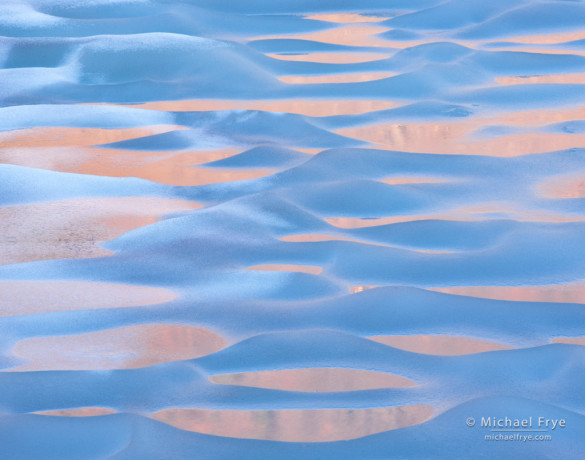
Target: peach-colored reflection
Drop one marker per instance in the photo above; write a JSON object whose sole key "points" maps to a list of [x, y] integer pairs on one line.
{"points": [[315, 237], [485, 211], [360, 288], [309, 107], [78, 412], [315, 379], [171, 168], [166, 167], [412, 180], [411, 137], [569, 340], [505, 210], [348, 35], [331, 57], [568, 78], [569, 293], [310, 269], [356, 222], [570, 186], [303, 425], [127, 347], [346, 18], [454, 138], [73, 228], [458, 137], [336, 78], [309, 151], [445, 345], [59, 137], [101, 161], [538, 117], [520, 48], [548, 39], [30, 297]]}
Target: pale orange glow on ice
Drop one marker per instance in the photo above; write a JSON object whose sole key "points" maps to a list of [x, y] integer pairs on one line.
{"points": [[444, 345], [486, 211], [305, 425], [569, 186], [337, 78], [78, 412], [72, 229], [412, 180], [332, 57], [310, 269], [360, 288], [315, 379], [126, 347], [565, 78], [343, 18], [456, 139], [314, 238], [163, 167], [548, 39], [364, 34], [62, 137], [570, 340], [570, 293], [310, 107]]}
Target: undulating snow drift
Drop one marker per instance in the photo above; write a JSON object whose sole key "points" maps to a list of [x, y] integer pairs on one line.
{"points": [[292, 229]]}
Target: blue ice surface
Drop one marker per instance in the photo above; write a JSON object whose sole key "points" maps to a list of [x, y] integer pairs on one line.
{"points": [[79, 116], [55, 56], [262, 157], [20, 185], [454, 14], [531, 18]]}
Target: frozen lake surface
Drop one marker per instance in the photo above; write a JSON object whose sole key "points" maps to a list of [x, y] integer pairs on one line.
{"points": [[292, 229]]}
